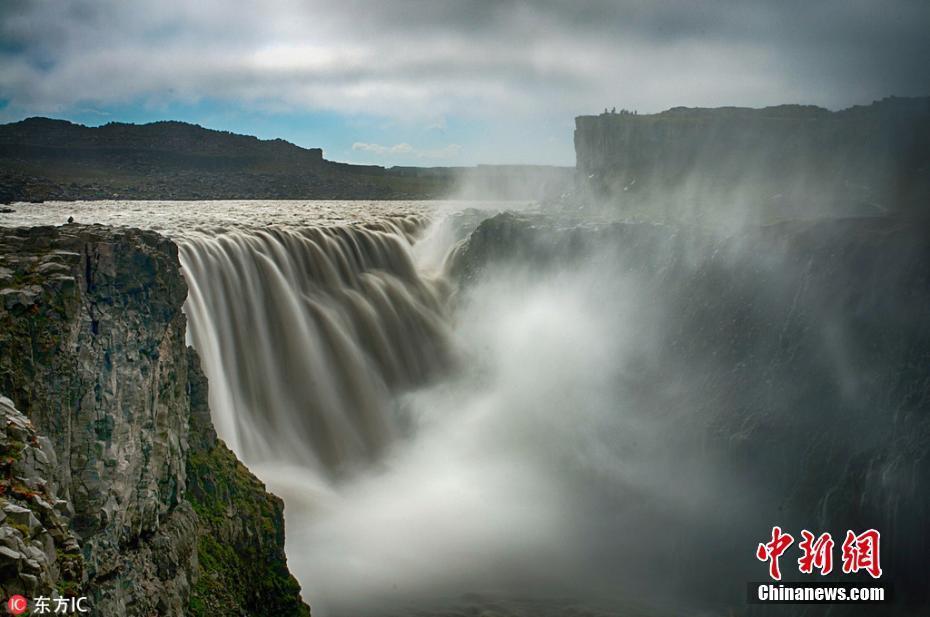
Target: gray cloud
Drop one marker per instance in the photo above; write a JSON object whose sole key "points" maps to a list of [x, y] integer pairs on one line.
{"points": [[420, 58]]}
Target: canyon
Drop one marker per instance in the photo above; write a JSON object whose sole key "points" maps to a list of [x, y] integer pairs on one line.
{"points": [[595, 404]]}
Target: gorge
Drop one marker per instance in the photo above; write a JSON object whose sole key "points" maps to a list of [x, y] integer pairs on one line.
{"points": [[574, 408]]}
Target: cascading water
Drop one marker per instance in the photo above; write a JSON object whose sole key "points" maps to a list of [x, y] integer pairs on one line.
{"points": [[601, 434], [597, 411], [314, 341], [305, 333]]}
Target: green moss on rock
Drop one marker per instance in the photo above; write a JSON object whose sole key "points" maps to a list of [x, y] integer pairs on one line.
{"points": [[242, 566]]}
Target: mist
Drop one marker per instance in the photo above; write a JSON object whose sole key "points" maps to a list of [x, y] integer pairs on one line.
{"points": [[623, 412], [588, 382], [597, 401], [608, 432], [535, 409]]}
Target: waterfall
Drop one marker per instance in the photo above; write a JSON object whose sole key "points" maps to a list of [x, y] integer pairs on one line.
{"points": [[615, 411], [583, 411], [305, 331]]}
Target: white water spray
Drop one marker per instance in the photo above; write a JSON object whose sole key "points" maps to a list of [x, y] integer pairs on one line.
{"points": [[318, 344]]}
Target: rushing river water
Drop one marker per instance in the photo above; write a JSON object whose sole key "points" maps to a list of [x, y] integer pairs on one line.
{"points": [[338, 376], [604, 420]]}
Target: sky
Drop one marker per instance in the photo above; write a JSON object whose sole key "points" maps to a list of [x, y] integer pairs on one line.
{"points": [[446, 82]]}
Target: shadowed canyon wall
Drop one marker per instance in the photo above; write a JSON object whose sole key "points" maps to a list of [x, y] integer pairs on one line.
{"points": [[777, 376], [765, 164]]}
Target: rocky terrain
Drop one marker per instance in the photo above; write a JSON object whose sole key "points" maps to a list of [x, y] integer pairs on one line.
{"points": [[39, 552], [43, 159], [115, 486], [768, 164]]}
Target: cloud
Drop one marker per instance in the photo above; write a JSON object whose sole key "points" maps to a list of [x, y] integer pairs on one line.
{"points": [[437, 124], [406, 150], [422, 60], [382, 150]]}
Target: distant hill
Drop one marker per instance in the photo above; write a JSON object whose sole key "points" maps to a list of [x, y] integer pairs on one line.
{"points": [[46, 159]]}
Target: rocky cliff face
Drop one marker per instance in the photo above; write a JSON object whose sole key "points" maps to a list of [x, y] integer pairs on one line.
{"points": [[119, 442], [38, 551], [769, 164]]}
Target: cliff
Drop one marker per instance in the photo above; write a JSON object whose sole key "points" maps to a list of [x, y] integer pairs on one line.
{"points": [[784, 369], [767, 164], [44, 159], [109, 443]]}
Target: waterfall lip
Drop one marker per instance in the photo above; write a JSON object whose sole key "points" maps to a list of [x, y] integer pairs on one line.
{"points": [[306, 331], [179, 219]]}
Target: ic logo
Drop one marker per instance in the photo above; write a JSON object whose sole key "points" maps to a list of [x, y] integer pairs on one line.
{"points": [[17, 604]]}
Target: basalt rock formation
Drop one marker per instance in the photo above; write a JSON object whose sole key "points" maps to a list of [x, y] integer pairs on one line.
{"points": [[115, 484], [38, 550]]}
